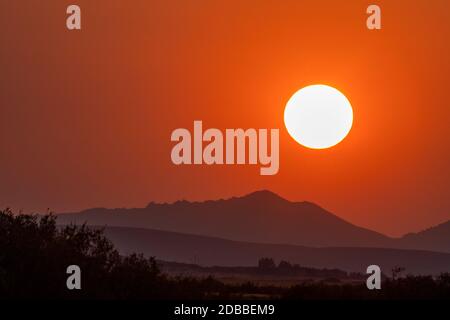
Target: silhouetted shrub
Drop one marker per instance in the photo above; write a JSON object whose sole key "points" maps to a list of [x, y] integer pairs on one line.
{"points": [[266, 264], [35, 253]]}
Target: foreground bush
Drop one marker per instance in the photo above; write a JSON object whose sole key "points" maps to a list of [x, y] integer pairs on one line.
{"points": [[34, 255]]}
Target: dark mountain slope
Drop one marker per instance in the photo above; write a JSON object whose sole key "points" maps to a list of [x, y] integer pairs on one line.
{"points": [[261, 216], [436, 238]]}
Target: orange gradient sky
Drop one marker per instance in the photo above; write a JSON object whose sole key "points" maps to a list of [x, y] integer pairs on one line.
{"points": [[86, 116]]}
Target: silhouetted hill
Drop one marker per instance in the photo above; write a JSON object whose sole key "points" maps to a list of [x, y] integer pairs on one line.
{"points": [[209, 251], [261, 217], [436, 238]]}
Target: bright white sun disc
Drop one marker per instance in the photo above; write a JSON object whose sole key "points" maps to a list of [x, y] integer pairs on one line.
{"points": [[318, 116]]}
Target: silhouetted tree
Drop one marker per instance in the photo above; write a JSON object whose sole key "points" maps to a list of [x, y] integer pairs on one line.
{"points": [[284, 265], [35, 253], [396, 272], [266, 264]]}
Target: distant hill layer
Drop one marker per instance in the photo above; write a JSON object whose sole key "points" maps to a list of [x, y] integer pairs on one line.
{"points": [[209, 251], [436, 238]]}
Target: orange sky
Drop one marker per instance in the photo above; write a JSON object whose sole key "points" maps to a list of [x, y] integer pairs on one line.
{"points": [[86, 116]]}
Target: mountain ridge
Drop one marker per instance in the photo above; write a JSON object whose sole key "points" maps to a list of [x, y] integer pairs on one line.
{"points": [[262, 217]]}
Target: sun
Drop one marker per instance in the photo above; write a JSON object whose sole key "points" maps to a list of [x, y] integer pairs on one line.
{"points": [[318, 116]]}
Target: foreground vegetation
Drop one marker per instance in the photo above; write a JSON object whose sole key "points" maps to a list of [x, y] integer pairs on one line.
{"points": [[34, 255]]}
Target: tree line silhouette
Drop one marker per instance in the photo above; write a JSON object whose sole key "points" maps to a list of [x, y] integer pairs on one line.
{"points": [[268, 266], [35, 252]]}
